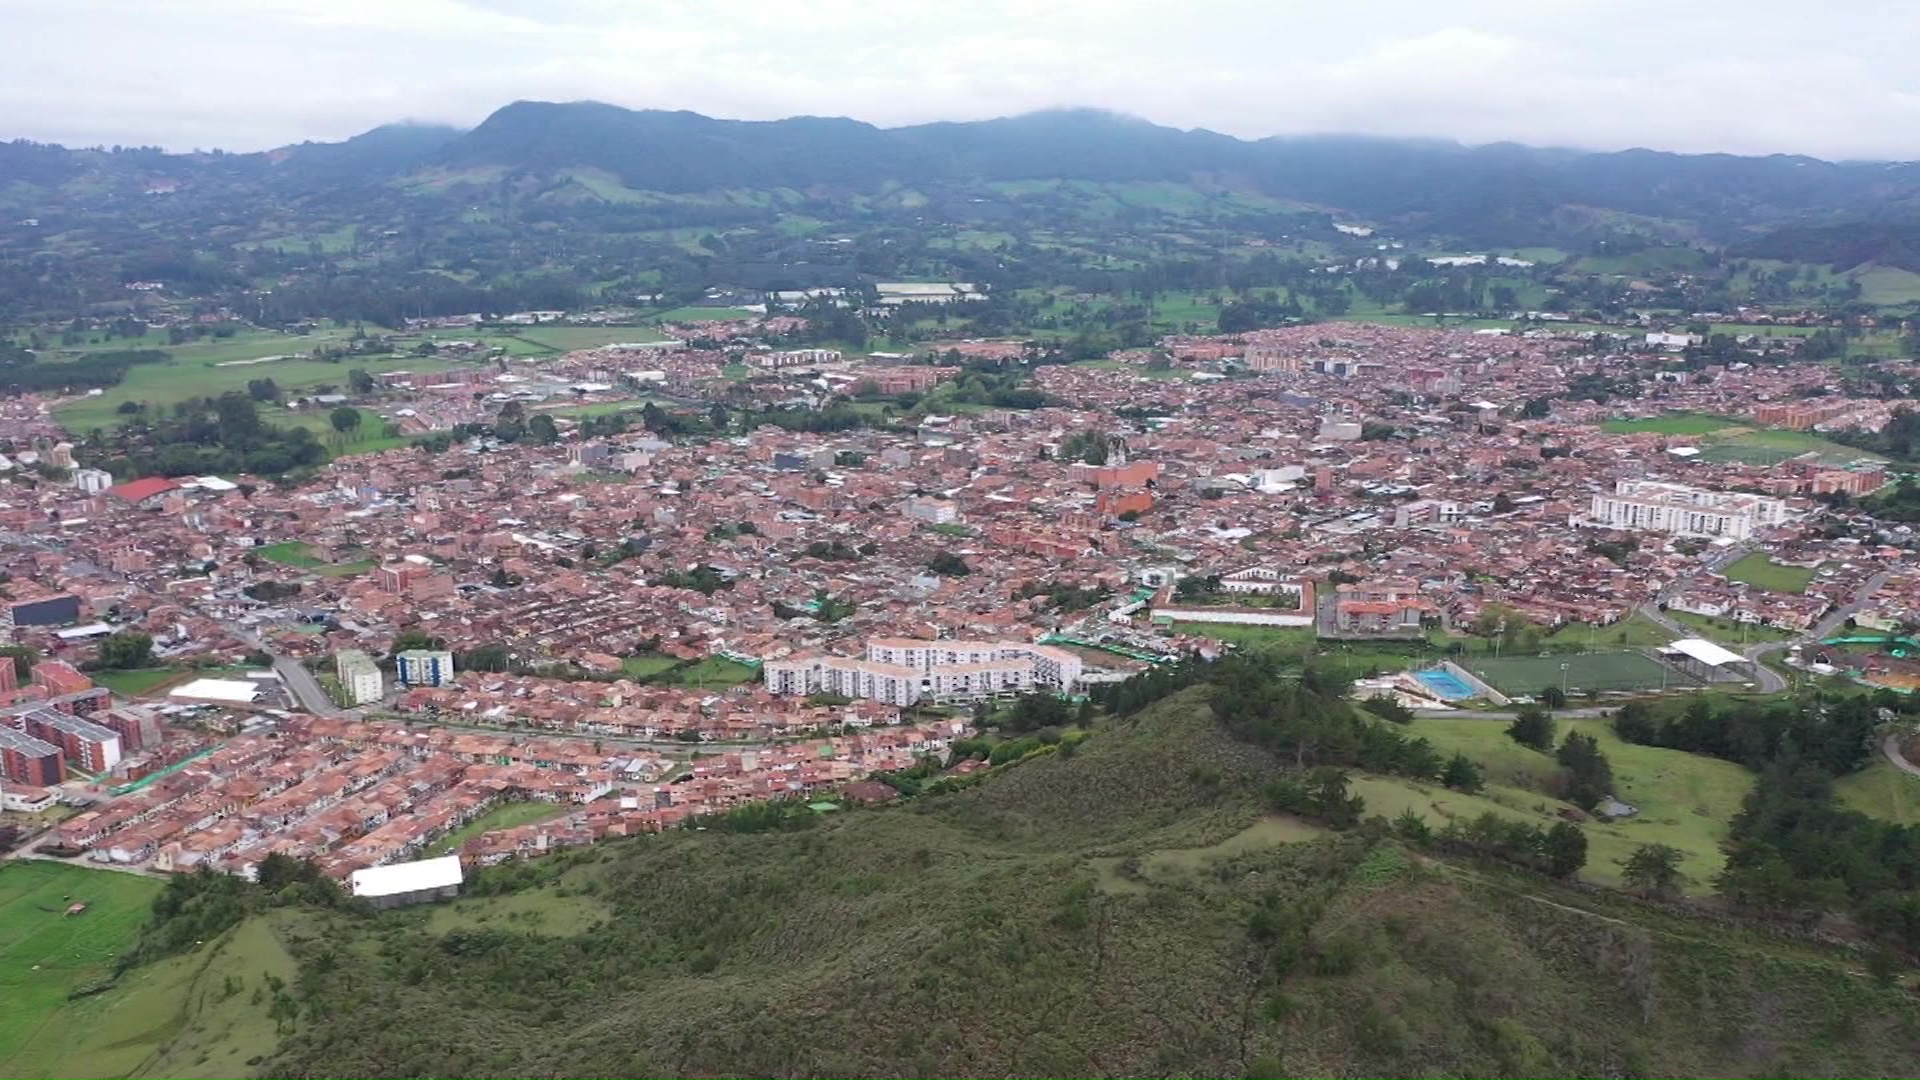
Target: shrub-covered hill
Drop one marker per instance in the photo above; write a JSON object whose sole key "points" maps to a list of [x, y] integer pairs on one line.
{"points": [[1126, 909]]}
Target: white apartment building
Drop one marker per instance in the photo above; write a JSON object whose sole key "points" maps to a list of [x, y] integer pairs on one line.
{"points": [[1654, 506], [92, 481], [795, 358], [359, 676], [1427, 512], [903, 671], [931, 510]]}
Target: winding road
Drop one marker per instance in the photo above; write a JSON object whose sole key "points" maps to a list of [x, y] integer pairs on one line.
{"points": [[1890, 746], [1767, 679]]}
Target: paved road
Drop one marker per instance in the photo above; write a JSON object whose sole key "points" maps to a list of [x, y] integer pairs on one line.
{"points": [[301, 683], [1767, 679], [1890, 746], [295, 677], [1584, 712]]}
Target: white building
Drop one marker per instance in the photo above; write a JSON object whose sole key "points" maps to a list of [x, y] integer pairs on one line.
{"points": [[795, 358], [920, 292], [1653, 506], [1333, 429], [932, 511], [901, 671], [1427, 512], [1672, 341], [359, 676], [92, 481], [408, 883], [424, 667]]}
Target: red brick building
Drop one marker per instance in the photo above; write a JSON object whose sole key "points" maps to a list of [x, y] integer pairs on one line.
{"points": [[27, 760], [58, 677]]}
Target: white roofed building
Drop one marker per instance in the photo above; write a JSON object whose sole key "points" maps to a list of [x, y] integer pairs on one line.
{"points": [[398, 884]]}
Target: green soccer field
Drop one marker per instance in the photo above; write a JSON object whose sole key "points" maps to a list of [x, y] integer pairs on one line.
{"points": [[1528, 675]]}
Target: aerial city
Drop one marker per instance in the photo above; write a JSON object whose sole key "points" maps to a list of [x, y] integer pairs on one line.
{"points": [[814, 559]]}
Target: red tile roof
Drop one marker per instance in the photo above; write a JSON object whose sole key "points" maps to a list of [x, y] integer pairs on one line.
{"points": [[135, 491]]}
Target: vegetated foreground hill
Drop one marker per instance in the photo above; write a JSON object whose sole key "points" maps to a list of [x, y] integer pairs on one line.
{"points": [[1123, 910]]}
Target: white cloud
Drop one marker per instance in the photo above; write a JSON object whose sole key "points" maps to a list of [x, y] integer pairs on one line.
{"points": [[1748, 76]]}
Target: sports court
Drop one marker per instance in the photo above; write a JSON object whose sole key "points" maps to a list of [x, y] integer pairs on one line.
{"points": [[1528, 675]]}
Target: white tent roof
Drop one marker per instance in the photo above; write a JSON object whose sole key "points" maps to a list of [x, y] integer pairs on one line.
{"points": [[406, 877], [237, 691], [1707, 652]]}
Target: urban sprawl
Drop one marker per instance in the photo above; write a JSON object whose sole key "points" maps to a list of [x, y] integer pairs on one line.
{"points": [[628, 626]]}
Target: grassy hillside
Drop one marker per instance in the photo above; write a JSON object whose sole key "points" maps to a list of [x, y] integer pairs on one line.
{"points": [[47, 953], [1128, 910], [1685, 800]]}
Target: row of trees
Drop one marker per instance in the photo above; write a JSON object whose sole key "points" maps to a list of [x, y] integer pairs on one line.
{"points": [[22, 372]]}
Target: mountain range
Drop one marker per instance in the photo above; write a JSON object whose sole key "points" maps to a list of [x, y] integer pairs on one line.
{"points": [[1501, 193]]}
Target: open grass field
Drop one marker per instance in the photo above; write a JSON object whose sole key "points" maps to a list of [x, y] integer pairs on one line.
{"points": [[1686, 801], [137, 682], [1881, 790], [293, 553], [1761, 572], [1680, 423], [1273, 638], [203, 1014], [46, 954], [1734, 453], [503, 816], [1179, 310], [1528, 675], [568, 338], [1723, 439], [1136, 370], [541, 911], [1632, 632], [1131, 875], [298, 555], [198, 371], [715, 672], [1649, 261], [1887, 285], [705, 314], [598, 408], [368, 438], [641, 667]]}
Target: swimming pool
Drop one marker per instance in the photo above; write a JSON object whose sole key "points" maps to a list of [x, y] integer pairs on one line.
{"points": [[1444, 683]]}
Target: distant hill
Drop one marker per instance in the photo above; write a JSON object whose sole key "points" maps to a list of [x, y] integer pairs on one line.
{"points": [[384, 151], [1498, 194], [1842, 245]]}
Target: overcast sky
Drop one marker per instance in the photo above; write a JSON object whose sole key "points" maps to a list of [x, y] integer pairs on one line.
{"points": [[1747, 76]]}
